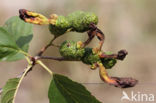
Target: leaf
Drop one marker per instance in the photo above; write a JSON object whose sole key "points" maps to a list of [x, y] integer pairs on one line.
{"points": [[21, 31], [11, 87], [8, 47], [64, 90], [9, 90], [15, 36]]}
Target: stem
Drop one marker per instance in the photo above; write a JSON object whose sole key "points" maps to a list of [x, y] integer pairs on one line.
{"points": [[46, 47], [58, 46], [45, 67], [28, 60], [56, 58], [25, 53], [21, 78]]}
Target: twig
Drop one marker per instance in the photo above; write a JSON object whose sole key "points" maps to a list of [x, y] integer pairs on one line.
{"points": [[34, 59], [55, 58], [45, 67], [47, 46], [32, 62], [21, 78], [58, 46]]}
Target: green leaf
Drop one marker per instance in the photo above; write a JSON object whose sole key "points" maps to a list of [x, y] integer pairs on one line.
{"points": [[64, 90], [9, 90], [15, 36], [8, 48], [21, 31]]}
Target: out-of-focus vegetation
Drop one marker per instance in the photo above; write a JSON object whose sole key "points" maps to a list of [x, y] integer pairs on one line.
{"points": [[127, 24]]}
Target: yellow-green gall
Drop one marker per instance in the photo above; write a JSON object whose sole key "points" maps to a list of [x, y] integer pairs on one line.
{"points": [[89, 57], [78, 21], [108, 63], [70, 50], [60, 27], [73, 51]]}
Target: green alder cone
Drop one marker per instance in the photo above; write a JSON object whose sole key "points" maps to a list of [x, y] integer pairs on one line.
{"points": [[78, 21], [70, 50]]}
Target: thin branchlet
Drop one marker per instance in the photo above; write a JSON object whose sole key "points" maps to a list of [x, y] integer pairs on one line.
{"points": [[46, 47], [55, 58]]}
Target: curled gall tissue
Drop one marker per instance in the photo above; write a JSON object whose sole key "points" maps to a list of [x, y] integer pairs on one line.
{"points": [[80, 21], [71, 50]]}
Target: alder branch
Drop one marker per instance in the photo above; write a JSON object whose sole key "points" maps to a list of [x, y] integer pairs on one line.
{"points": [[47, 46], [33, 59], [19, 76], [55, 58]]}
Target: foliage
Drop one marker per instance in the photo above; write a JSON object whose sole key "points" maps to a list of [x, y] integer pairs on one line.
{"points": [[9, 90], [64, 90], [15, 38]]}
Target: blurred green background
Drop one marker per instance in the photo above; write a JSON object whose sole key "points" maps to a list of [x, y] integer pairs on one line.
{"points": [[127, 24]]}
